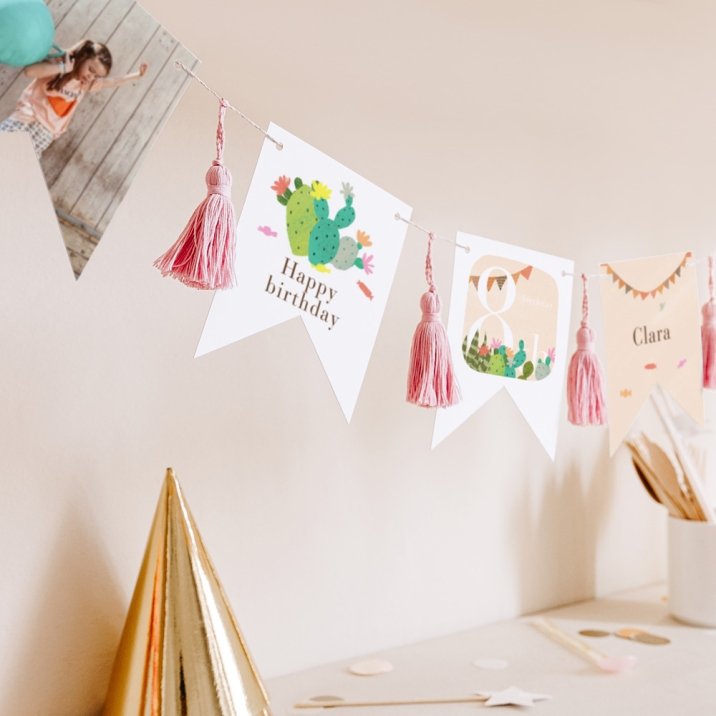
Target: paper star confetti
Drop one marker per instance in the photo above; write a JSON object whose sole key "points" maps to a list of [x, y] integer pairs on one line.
{"points": [[511, 696]]}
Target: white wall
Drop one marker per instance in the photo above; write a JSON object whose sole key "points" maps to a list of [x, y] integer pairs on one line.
{"points": [[576, 127]]}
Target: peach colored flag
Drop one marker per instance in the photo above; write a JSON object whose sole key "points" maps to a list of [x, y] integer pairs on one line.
{"points": [[652, 337]]}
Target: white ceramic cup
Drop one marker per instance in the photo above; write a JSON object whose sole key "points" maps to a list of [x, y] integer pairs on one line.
{"points": [[692, 571]]}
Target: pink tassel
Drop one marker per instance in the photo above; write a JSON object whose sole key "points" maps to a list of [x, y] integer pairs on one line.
{"points": [[708, 332], [431, 379], [585, 382], [203, 255]]}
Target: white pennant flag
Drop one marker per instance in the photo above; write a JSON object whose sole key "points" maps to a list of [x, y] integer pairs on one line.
{"points": [[317, 241], [509, 328]]}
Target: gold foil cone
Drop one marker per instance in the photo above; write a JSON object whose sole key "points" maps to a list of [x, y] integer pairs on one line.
{"points": [[181, 651]]}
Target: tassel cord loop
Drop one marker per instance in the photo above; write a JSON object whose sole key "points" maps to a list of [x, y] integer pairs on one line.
{"points": [[585, 302], [223, 104], [429, 264]]}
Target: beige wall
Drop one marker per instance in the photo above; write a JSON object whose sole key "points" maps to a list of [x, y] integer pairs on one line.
{"points": [[575, 127]]}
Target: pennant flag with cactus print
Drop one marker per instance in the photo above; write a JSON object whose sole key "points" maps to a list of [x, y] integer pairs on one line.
{"points": [[513, 336], [652, 335], [318, 242]]}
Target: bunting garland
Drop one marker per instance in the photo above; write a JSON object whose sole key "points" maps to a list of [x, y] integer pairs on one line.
{"points": [[665, 284], [525, 273], [648, 343]]}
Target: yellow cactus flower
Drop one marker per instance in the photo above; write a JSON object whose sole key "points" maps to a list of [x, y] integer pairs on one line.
{"points": [[320, 191]]}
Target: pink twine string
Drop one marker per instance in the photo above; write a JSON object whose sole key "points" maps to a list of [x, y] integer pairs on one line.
{"points": [[223, 104], [585, 302], [429, 265]]}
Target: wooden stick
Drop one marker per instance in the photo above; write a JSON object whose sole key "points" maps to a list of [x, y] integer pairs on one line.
{"points": [[665, 485], [637, 465], [411, 702], [691, 475], [671, 478]]}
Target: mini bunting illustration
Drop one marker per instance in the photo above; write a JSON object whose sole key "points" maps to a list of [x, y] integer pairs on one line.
{"points": [[662, 286]]}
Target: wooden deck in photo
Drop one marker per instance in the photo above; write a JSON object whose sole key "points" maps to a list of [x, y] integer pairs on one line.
{"points": [[89, 169]]}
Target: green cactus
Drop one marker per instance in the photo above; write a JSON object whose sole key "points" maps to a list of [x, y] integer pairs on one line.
{"points": [[324, 240], [527, 369], [515, 362], [347, 254], [466, 349], [497, 362], [471, 353], [300, 216], [543, 368], [483, 356], [480, 358]]}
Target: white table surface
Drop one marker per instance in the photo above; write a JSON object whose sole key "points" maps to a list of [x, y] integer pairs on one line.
{"points": [[676, 679]]}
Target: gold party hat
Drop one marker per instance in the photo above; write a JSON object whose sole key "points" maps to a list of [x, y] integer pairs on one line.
{"points": [[181, 652]]}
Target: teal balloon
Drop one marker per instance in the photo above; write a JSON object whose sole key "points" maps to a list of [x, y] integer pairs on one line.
{"points": [[26, 32]]}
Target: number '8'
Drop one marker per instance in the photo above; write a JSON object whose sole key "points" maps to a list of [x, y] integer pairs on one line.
{"points": [[509, 290]]}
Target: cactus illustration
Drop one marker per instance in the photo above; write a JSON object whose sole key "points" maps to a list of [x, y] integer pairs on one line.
{"points": [[470, 357], [300, 215], [499, 359], [471, 353], [347, 254], [543, 368], [497, 362], [483, 356], [515, 362], [324, 240], [520, 357], [527, 369], [477, 355]]}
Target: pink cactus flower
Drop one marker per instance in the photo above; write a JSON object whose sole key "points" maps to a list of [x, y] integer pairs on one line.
{"points": [[496, 343], [552, 353], [281, 184], [367, 263]]}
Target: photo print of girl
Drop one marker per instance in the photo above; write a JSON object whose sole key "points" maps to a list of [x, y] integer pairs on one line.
{"points": [[92, 108]]}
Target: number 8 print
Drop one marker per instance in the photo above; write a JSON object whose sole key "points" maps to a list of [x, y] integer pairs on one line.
{"points": [[482, 296]]}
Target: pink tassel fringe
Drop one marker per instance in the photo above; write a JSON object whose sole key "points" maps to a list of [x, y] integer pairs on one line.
{"points": [[585, 382], [708, 332], [203, 255], [431, 378]]}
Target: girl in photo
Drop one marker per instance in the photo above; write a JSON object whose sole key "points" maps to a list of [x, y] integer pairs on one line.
{"points": [[58, 85]]}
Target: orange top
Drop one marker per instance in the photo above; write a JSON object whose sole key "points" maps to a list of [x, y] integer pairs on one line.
{"points": [[52, 108]]}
